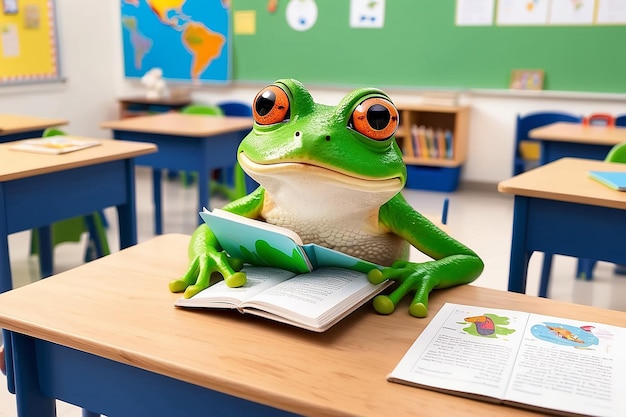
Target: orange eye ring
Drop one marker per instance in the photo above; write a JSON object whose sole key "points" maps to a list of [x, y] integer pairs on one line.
{"points": [[271, 105], [376, 118]]}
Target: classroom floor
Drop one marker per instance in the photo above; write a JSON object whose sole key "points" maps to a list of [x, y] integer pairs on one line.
{"points": [[480, 219]]}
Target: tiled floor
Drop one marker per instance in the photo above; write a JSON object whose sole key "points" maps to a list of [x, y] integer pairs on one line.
{"points": [[480, 219]]}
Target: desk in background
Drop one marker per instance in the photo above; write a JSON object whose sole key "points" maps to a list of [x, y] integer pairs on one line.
{"points": [[16, 127], [145, 357], [37, 190], [560, 140], [186, 143], [558, 209]]}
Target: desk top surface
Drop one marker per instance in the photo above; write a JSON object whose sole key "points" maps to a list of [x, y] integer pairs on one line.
{"points": [[179, 124], [20, 164], [577, 132], [567, 179], [16, 123], [119, 307]]}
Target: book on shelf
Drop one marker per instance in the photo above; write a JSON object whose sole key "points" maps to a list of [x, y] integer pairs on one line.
{"points": [[304, 285], [431, 143], [614, 180], [54, 144], [520, 359]]}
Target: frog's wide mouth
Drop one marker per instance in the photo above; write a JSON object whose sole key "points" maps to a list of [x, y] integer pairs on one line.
{"points": [[319, 173]]}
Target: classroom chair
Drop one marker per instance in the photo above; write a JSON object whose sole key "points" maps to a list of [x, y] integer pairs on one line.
{"points": [[526, 152], [620, 120], [585, 266], [235, 108], [71, 230]]}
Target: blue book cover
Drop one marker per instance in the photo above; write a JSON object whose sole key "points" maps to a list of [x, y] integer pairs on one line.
{"points": [[264, 244], [614, 180]]}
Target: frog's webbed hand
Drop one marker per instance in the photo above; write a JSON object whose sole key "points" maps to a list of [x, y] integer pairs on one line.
{"points": [[207, 260], [422, 278]]}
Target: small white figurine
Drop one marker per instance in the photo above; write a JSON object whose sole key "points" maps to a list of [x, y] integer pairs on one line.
{"points": [[155, 85]]}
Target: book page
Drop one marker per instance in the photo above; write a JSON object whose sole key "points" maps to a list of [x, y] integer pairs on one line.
{"points": [[54, 144], [466, 349], [219, 295], [572, 366], [308, 297]]}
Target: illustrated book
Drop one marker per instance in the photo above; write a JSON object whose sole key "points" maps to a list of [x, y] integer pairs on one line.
{"points": [[304, 285], [54, 144], [614, 180], [525, 360]]}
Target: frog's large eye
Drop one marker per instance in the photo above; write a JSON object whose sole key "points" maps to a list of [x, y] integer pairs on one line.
{"points": [[376, 117], [271, 106]]}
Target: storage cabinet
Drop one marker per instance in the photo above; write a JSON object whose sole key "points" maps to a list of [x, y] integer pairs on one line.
{"points": [[433, 140], [140, 106]]}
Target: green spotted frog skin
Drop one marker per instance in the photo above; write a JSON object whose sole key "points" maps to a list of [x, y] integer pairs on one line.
{"points": [[333, 174]]}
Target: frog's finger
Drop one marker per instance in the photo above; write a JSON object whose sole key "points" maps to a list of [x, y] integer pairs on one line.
{"points": [[203, 277], [419, 305], [179, 285]]}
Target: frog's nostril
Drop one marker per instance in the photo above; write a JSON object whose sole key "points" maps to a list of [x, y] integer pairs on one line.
{"points": [[297, 134], [327, 137]]}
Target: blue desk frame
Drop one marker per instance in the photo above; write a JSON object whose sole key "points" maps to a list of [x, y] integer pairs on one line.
{"points": [[551, 150], [35, 133], [49, 371], [555, 227], [185, 153]]}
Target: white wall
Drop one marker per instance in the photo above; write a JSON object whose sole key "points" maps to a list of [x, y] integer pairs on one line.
{"points": [[91, 56]]}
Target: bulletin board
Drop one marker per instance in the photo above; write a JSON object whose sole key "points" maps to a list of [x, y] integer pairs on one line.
{"points": [[28, 42], [421, 46]]}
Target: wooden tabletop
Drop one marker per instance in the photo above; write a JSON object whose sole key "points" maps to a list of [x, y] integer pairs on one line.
{"points": [[567, 179], [20, 164], [119, 307], [577, 132], [15, 123], [173, 123]]}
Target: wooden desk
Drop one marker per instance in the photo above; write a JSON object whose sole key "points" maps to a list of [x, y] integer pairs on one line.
{"points": [[15, 127], [186, 143], [141, 105], [108, 339], [37, 190], [559, 140], [558, 209]]}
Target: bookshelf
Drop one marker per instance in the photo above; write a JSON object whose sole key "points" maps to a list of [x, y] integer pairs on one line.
{"points": [[433, 140]]}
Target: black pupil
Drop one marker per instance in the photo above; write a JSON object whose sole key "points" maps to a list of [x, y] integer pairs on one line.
{"points": [[378, 116], [265, 103]]}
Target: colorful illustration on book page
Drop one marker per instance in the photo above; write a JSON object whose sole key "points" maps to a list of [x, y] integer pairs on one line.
{"points": [[265, 254], [487, 325], [565, 334]]}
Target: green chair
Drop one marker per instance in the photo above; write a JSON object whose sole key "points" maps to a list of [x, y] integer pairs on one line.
{"points": [[71, 230]]}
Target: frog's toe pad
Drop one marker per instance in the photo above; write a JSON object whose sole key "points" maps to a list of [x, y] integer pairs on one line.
{"points": [[375, 276], [383, 304], [238, 279], [192, 290], [177, 285], [418, 310]]}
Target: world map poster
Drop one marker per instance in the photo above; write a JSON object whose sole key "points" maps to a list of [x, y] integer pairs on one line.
{"points": [[188, 39]]}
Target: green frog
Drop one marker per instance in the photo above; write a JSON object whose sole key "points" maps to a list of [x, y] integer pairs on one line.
{"points": [[333, 174]]}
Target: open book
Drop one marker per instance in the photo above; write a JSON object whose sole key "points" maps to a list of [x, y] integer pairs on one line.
{"points": [[614, 180], [307, 286], [54, 144], [526, 360]]}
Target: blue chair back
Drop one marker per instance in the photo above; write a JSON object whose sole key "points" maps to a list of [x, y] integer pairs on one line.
{"points": [[620, 120], [531, 121], [235, 108]]}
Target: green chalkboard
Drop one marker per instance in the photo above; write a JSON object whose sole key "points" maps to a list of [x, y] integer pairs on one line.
{"points": [[420, 46]]}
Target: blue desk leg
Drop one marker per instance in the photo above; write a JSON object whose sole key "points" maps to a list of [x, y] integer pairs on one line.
{"points": [[6, 284], [518, 267], [30, 401], [127, 213], [46, 254], [156, 193]]}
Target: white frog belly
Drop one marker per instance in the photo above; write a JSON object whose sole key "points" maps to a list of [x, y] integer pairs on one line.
{"points": [[341, 215]]}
